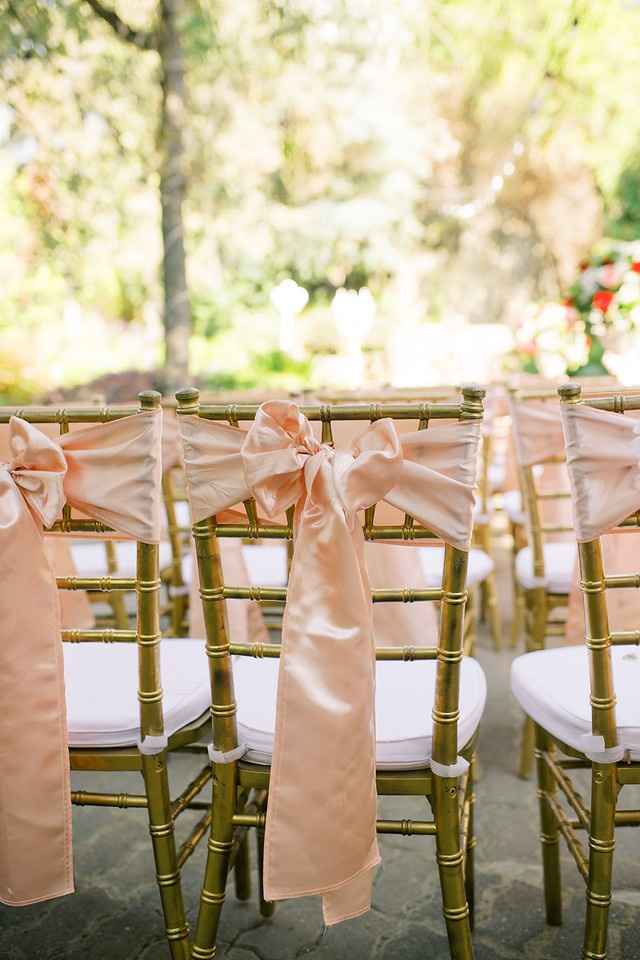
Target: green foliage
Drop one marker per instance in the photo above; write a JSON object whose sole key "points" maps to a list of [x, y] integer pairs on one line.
{"points": [[624, 214], [329, 142]]}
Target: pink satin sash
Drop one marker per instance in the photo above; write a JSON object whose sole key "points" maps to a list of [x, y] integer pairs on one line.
{"points": [[603, 456], [110, 472], [324, 750]]}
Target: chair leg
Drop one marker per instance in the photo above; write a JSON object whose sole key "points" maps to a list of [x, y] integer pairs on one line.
{"points": [[488, 592], [469, 869], [267, 907], [451, 867], [604, 791], [470, 626], [242, 869], [517, 623], [178, 615], [219, 851], [493, 613], [119, 609], [154, 771], [549, 834], [536, 604]]}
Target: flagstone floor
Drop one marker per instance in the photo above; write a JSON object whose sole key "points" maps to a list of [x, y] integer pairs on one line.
{"points": [[115, 913]]}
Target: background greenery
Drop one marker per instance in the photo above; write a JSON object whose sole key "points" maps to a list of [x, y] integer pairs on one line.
{"points": [[337, 142]]}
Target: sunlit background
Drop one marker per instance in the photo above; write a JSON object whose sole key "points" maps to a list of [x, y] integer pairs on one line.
{"points": [[344, 192]]}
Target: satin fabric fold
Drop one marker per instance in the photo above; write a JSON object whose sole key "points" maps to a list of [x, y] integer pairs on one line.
{"points": [[321, 819], [603, 456], [110, 472]]}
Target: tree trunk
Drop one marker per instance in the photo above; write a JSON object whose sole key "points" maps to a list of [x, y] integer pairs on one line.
{"points": [[177, 310]]}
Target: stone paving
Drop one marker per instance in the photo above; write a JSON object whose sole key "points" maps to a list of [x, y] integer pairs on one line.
{"points": [[115, 913]]}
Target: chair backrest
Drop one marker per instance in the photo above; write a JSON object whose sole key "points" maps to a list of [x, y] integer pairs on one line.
{"points": [[539, 447], [602, 452], [146, 584], [214, 591]]}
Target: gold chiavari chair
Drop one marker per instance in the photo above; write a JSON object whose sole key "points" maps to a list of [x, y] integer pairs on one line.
{"points": [[237, 773], [584, 700], [120, 718], [543, 569]]}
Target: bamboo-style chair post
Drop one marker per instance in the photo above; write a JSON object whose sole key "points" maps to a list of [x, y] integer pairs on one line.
{"points": [[223, 716], [604, 779], [178, 594], [154, 766], [488, 593], [549, 833], [449, 853]]}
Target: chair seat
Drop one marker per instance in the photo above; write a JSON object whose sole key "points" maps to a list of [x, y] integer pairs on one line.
{"points": [[559, 563], [182, 513], [512, 505], [432, 561], [552, 687], [90, 557], [480, 519], [497, 475], [404, 700], [266, 564], [101, 683]]}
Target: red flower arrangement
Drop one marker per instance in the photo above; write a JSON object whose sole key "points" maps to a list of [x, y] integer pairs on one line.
{"points": [[602, 300]]}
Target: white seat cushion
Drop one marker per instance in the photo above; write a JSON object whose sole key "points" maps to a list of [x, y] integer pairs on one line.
{"points": [[101, 683], [512, 504], [496, 475], [404, 700], [432, 560], [480, 519], [90, 557], [552, 687], [183, 516], [559, 563], [266, 564]]}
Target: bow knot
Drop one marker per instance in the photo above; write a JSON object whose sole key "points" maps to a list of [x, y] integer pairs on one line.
{"points": [[38, 467], [286, 464]]}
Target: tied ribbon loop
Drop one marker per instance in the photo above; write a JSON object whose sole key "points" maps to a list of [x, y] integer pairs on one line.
{"points": [[38, 467], [321, 817]]}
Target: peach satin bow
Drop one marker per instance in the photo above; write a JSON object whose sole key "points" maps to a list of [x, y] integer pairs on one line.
{"points": [[110, 472], [321, 820]]}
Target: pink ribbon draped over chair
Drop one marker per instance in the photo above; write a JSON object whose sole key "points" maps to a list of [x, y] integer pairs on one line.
{"points": [[321, 820], [110, 472], [603, 454]]}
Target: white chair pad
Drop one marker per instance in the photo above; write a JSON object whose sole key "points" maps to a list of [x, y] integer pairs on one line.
{"points": [[480, 519], [552, 687], [90, 557], [266, 564], [182, 513], [101, 683], [404, 699], [432, 560], [559, 563], [496, 475], [512, 505]]}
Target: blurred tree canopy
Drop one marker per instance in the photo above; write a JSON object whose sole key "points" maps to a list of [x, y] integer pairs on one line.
{"points": [[458, 157]]}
